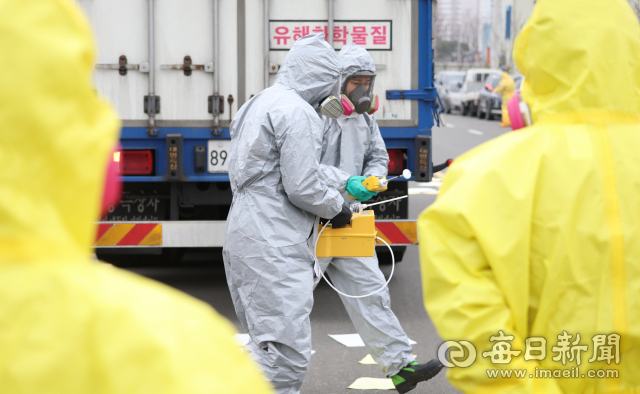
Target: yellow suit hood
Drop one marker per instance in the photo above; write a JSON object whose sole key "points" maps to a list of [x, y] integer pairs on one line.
{"points": [[580, 57], [534, 234], [55, 132], [68, 325]]}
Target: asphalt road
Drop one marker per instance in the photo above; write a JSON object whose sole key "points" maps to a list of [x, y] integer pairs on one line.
{"points": [[334, 367]]}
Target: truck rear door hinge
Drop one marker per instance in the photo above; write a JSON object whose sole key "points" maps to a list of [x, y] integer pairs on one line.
{"points": [[152, 104], [187, 67], [123, 66], [216, 104]]}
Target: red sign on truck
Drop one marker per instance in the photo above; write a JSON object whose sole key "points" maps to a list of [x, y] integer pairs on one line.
{"points": [[373, 35]]}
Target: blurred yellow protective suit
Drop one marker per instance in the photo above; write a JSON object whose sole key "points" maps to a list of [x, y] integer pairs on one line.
{"points": [[68, 325], [536, 233], [506, 87]]}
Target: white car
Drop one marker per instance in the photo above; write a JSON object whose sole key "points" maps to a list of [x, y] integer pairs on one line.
{"points": [[470, 88], [453, 97]]}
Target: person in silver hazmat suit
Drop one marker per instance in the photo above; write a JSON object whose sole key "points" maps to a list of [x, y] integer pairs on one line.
{"points": [[278, 193], [352, 144]]}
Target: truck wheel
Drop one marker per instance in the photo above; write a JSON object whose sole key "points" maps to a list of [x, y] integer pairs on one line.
{"points": [[465, 109], [384, 257], [473, 110]]}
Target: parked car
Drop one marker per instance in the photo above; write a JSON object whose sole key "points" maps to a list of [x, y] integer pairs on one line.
{"points": [[442, 81], [489, 103], [518, 79], [452, 99], [474, 82]]}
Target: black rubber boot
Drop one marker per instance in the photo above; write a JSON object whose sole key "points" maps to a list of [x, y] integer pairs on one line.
{"points": [[409, 377]]}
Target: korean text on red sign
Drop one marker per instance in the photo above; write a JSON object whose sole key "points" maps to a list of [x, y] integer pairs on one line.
{"points": [[373, 35]]}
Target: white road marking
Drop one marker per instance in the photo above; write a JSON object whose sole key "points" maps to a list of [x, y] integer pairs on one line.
{"points": [[241, 339], [430, 184], [349, 340], [426, 190], [477, 132]]}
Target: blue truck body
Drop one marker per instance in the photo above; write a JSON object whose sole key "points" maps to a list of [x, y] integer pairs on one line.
{"points": [[174, 185]]}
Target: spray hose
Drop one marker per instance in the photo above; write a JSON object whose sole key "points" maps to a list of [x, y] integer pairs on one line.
{"points": [[357, 208]]}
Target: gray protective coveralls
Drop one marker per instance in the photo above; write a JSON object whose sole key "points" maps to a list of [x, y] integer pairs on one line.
{"points": [[276, 177], [353, 145]]}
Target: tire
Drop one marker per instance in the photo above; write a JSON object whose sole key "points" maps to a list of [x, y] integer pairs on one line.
{"points": [[489, 115], [479, 113], [384, 256], [465, 109]]}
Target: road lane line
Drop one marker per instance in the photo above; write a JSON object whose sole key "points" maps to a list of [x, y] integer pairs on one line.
{"points": [[426, 190], [476, 132], [430, 184]]}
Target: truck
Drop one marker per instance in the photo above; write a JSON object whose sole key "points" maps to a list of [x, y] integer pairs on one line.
{"points": [[177, 72]]}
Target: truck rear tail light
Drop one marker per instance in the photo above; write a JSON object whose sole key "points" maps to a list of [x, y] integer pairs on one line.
{"points": [[134, 162], [396, 161]]}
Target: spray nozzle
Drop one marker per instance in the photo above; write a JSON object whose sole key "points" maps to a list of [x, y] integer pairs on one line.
{"points": [[406, 174]]}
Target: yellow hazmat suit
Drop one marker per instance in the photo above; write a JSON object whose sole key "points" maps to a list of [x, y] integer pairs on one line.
{"points": [[68, 325], [506, 87], [536, 233]]}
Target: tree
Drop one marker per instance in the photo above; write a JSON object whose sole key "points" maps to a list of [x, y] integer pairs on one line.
{"points": [[471, 31], [445, 49]]}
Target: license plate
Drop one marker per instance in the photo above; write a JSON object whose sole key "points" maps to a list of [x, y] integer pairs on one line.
{"points": [[218, 155]]}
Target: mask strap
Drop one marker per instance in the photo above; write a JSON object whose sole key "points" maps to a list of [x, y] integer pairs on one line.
{"points": [[375, 103]]}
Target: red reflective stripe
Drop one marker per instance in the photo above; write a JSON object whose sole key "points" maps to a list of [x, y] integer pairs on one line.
{"points": [[137, 234], [393, 233], [102, 228]]}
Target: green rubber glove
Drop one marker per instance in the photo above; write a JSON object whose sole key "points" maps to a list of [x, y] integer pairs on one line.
{"points": [[356, 189]]}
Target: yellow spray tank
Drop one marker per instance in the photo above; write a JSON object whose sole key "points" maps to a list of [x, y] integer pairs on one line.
{"points": [[357, 239]]}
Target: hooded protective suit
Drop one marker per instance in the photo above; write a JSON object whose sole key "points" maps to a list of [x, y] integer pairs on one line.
{"points": [[277, 192], [354, 146], [67, 324], [535, 232], [506, 87]]}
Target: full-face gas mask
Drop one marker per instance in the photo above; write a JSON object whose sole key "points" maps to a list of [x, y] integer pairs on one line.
{"points": [[361, 99]]}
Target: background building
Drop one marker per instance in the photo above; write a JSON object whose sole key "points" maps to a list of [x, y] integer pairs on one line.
{"points": [[508, 18], [449, 20]]}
